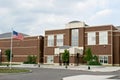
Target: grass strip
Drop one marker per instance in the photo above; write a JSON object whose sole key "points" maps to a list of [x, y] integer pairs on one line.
{"points": [[13, 70]]}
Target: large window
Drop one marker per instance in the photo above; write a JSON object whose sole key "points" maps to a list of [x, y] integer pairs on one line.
{"points": [[103, 59], [103, 37], [51, 40], [91, 38], [59, 40], [74, 37]]}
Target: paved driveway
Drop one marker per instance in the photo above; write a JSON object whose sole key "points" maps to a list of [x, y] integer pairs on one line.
{"points": [[51, 74]]}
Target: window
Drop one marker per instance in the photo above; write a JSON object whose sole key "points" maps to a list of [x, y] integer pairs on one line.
{"points": [[74, 37], [103, 59], [91, 38], [51, 40], [103, 37], [59, 40], [50, 59]]}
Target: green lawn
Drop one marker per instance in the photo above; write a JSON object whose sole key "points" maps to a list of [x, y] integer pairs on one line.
{"points": [[5, 64], [13, 70]]}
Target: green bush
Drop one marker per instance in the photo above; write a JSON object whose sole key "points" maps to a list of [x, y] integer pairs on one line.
{"points": [[90, 58], [31, 60], [7, 53], [94, 63]]}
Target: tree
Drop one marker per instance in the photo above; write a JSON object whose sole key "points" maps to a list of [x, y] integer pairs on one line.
{"points": [[90, 59], [7, 53], [88, 55], [65, 57]]}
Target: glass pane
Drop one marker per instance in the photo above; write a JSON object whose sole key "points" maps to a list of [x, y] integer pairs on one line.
{"points": [[51, 40], [50, 59], [105, 61], [91, 38], [101, 61], [105, 57], [59, 40], [74, 37], [103, 37]]}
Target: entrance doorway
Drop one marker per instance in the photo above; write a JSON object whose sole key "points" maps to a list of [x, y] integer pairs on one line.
{"points": [[77, 59], [60, 59], [50, 59]]}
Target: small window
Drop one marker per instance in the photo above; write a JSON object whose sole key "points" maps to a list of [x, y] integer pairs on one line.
{"points": [[103, 59]]}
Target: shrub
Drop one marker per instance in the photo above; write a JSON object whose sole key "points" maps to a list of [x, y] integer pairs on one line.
{"points": [[94, 63], [90, 59], [7, 53], [31, 60]]}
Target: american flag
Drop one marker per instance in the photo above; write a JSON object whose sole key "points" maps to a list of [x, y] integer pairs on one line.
{"points": [[17, 35]]}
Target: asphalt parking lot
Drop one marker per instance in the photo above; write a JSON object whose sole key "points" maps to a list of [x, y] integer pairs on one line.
{"points": [[53, 74]]}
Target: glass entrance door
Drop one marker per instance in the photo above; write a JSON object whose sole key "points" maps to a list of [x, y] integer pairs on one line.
{"points": [[50, 59]]}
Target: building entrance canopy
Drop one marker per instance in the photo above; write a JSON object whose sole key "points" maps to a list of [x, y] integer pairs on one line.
{"points": [[72, 50]]}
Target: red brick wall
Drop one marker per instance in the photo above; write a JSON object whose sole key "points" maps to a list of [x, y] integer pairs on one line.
{"points": [[96, 49], [101, 49], [116, 48], [21, 49]]}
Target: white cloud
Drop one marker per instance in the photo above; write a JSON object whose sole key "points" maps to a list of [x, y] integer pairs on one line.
{"points": [[3, 11], [101, 17], [103, 4], [34, 16], [102, 13], [105, 12]]}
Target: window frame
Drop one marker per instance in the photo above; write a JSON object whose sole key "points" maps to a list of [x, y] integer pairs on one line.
{"points": [[75, 37], [103, 37], [59, 40], [103, 58], [50, 41], [90, 36]]}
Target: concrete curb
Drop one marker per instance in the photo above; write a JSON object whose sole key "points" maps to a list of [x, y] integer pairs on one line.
{"points": [[89, 77], [83, 68]]}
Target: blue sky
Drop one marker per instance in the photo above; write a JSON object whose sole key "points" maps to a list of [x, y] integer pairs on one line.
{"points": [[33, 17]]}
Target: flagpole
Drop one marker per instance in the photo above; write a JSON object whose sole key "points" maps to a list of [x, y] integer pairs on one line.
{"points": [[11, 48]]}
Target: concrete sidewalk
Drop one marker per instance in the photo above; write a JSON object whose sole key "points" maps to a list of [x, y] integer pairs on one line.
{"points": [[80, 67], [85, 68], [89, 77]]}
